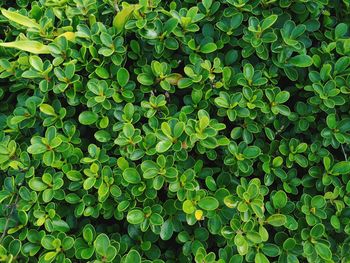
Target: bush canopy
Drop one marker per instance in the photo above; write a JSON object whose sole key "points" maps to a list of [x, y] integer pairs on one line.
{"points": [[175, 131]]}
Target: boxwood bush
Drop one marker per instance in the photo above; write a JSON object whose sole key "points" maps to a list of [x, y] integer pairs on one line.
{"points": [[175, 131]]}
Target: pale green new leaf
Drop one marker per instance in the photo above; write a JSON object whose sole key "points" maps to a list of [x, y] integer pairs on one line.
{"points": [[20, 19], [123, 16], [30, 46]]}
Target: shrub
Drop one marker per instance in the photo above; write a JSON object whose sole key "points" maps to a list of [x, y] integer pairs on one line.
{"points": [[175, 131]]}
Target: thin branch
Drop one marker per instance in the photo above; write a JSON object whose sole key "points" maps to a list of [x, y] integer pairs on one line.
{"points": [[342, 147], [116, 7], [8, 219]]}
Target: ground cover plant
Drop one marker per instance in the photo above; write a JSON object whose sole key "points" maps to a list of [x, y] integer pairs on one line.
{"points": [[175, 131]]}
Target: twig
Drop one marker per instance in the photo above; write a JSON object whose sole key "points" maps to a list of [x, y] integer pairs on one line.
{"points": [[8, 219], [116, 7], [346, 157]]}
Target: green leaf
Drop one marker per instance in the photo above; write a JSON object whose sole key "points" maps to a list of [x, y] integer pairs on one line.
{"points": [[301, 61], [102, 72], [342, 167], [166, 230], [87, 253], [47, 109], [145, 79], [276, 220], [163, 146], [123, 77], [122, 163], [36, 63], [14, 247], [279, 199], [184, 83], [331, 121], [88, 117], [323, 251], [101, 244], [317, 231], [131, 175], [88, 233], [133, 257], [302, 147], [242, 244], [60, 226], [318, 201], [69, 71], [179, 129], [89, 183], [251, 152], [37, 148], [335, 222], [208, 203], [248, 71], [102, 136], [170, 25], [282, 109], [106, 39], [37, 184], [222, 102], [277, 161], [74, 175], [49, 256], [156, 219], [282, 97], [208, 48], [207, 4], [340, 30], [253, 237], [135, 216], [188, 207], [236, 20], [45, 241], [271, 250], [122, 17], [261, 258], [128, 130], [289, 244], [268, 22], [3, 195]]}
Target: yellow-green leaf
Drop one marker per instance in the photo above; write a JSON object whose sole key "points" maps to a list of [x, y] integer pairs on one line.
{"points": [[47, 109], [122, 17], [20, 19], [173, 78], [70, 36], [50, 255], [30, 46]]}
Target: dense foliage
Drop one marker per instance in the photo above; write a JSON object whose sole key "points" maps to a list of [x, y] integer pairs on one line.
{"points": [[175, 131]]}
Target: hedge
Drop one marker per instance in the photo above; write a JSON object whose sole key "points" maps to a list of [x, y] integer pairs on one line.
{"points": [[175, 131]]}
